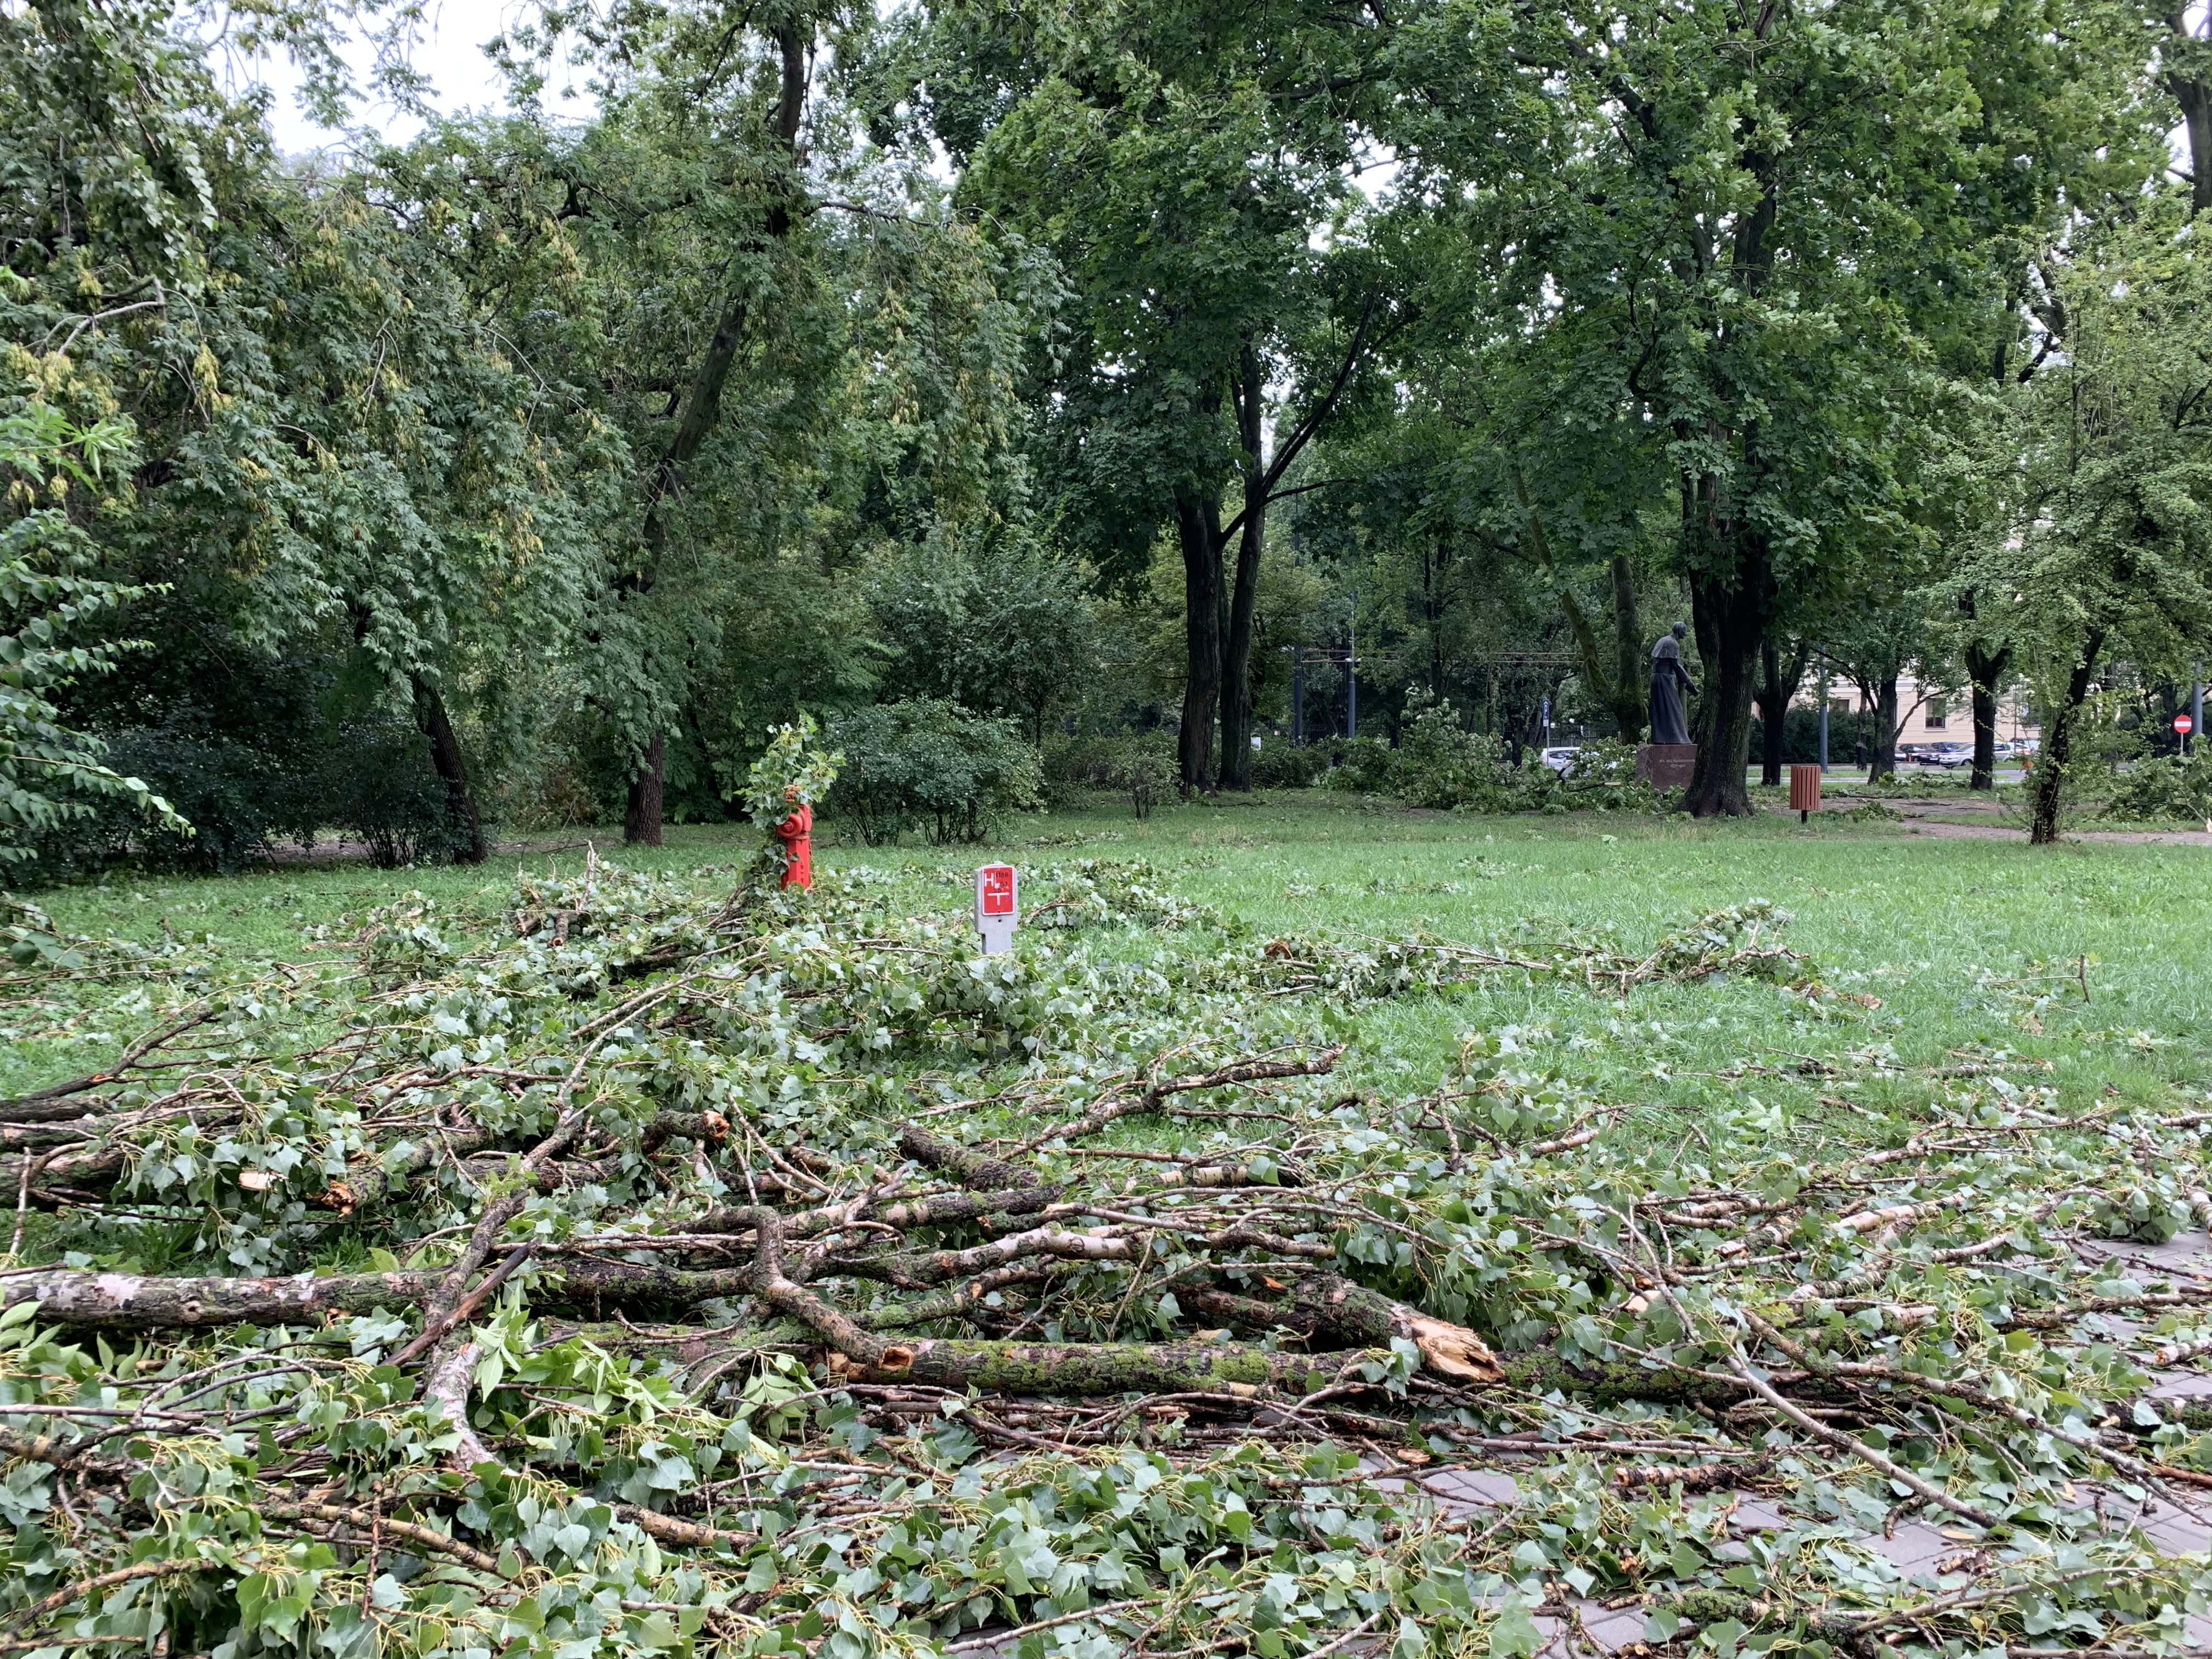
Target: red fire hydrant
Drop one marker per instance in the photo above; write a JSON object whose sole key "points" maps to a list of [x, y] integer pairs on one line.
{"points": [[797, 834]]}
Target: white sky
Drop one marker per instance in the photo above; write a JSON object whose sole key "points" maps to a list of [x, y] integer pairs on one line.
{"points": [[450, 53]]}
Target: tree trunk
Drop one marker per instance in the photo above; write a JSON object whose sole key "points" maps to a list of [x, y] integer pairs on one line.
{"points": [[1732, 585], [2046, 785], [641, 816], [1986, 670], [1881, 757], [1773, 712], [2194, 94], [702, 406], [1244, 595], [1778, 680], [432, 721], [1097, 1368], [1197, 527], [1730, 615], [1628, 670]]}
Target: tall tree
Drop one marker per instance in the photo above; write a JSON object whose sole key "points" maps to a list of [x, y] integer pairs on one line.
{"points": [[1182, 164], [2105, 547], [1764, 211]]}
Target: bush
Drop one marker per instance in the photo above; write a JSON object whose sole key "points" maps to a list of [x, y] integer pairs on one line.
{"points": [[383, 793], [928, 762], [1140, 767], [2165, 787], [1279, 765], [1439, 763], [239, 798]]}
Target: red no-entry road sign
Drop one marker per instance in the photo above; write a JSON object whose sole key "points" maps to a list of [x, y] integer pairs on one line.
{"points": [[2184, 725]]}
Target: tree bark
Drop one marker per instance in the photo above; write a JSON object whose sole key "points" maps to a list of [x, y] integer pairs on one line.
{"points": [[432, 721], [642, 812], [1881, 754], [1244, 594], [1729, 611], [1986, 671], [1198, 520], [1096, 1368], [1628, 672], [1234, 608], [2047, 783], [1778, 680], [703, 409], [1732, 587], [2193, 92]]}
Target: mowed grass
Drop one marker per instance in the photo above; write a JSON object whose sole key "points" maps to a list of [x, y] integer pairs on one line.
{"points": [[1970, 947]]}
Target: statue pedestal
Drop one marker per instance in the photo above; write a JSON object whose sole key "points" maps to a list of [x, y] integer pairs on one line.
{"points": [[1666, 765]]}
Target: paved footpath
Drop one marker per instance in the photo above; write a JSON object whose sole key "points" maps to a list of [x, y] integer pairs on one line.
{"points": [[1933, 1559]]}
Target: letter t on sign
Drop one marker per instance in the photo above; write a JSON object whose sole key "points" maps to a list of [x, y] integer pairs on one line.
{"points": [[998, 906]]}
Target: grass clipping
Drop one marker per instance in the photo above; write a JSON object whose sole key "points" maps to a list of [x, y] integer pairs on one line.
{"points": [[773, 1274]]}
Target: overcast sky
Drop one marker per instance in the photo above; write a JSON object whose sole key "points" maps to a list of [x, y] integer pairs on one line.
{"points": [[450, 53]]}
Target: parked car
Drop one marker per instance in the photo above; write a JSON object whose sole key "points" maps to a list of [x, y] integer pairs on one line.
{"points": [[1560, 758], [1949, 756]]}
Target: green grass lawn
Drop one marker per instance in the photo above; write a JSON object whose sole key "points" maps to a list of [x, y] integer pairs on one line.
{"points": [[1945, 984], [1964, 942]]}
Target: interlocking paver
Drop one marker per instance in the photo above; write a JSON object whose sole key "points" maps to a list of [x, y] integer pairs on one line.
{"points": [[2176, 1533], [2183, 1253], [1912, 1546], [2182, 1385], [1611, 1630], [1471, 1489], [1757, 1515]]}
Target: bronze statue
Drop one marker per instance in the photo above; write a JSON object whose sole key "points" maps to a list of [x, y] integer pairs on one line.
{"points": [[1669, 679]]}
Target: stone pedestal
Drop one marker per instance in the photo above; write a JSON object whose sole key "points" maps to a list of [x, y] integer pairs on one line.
{"points": [[1666, 765]]}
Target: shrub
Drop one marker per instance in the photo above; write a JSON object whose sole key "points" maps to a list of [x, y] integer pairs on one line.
{"points": [[1279, 765], [240, 796], [1439, 763], [928, 762], [2166, 787], [1139, 767], [383, 793], [556, 794]]}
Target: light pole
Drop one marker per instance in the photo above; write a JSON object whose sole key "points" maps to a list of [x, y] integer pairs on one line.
{"points": [[1298, 695], [1824, 722], [1352, 674]]}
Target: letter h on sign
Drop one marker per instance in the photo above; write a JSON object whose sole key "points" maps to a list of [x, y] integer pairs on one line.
{"points": [[998, 906]]}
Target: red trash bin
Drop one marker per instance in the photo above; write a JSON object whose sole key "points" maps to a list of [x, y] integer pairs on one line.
{"points": [[1804, 791]]}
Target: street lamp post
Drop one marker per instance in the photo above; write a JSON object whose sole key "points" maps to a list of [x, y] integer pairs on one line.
{"points": [[1352, 673], [1824, 722]]}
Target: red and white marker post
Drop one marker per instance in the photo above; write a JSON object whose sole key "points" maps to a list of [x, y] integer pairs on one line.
{"points": [[998, 905]]}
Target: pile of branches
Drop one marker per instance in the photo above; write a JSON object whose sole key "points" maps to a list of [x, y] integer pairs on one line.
{"points": [[656, 1270]]}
